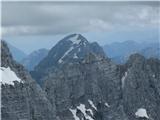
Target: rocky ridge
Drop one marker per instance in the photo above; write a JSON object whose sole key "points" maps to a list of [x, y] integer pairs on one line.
{"points": [[22, 98]]}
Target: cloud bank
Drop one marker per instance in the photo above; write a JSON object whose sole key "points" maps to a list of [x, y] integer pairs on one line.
{"points": [[53, 18]]}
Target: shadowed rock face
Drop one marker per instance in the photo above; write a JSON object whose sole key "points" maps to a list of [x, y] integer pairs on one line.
{"points": [[95, 79], [116, 92], [141, 86], [23, 100], [70, 49]]}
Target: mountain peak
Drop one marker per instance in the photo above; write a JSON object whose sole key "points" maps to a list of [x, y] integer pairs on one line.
{"points": [[71, 49], [76, 39]]}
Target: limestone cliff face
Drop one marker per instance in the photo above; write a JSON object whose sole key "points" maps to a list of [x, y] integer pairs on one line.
{"points": [[116, 92], [94, 79], [24, 99], [141, 86], [109, 91]]}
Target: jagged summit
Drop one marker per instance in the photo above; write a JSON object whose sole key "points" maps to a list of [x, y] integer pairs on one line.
{"points": [[136, 60], [72, 48], [76, 37], [75, 40]]}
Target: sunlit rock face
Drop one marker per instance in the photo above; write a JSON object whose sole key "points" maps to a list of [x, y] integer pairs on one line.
{"points": [[21, 96]]}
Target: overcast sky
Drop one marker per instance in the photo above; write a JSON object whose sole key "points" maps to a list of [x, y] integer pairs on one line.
{"points": [[27, 22]]}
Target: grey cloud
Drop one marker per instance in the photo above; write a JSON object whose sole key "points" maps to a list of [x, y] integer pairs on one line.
{"points": [[24, 18]]}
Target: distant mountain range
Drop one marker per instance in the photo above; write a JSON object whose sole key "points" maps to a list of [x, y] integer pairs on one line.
{"points": [[119, 52], [79, 82], [18, 54], [151, 51], [31, 60]]}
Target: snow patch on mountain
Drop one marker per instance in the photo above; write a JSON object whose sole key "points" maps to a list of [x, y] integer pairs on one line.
{"points": [[123, 79], [60, 61], [74, 111], [89, 110], [65, 54], [83, 109], [91, 103], [75, 39], [141, 113], [8, 76], [107, 105], [75, 56]]}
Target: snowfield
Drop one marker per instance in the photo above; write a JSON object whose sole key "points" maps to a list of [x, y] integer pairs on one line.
{"points": [[141, 113], [8, 76]]}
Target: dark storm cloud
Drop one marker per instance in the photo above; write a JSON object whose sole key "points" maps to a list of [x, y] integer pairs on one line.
{"points": [[30, 18]]}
